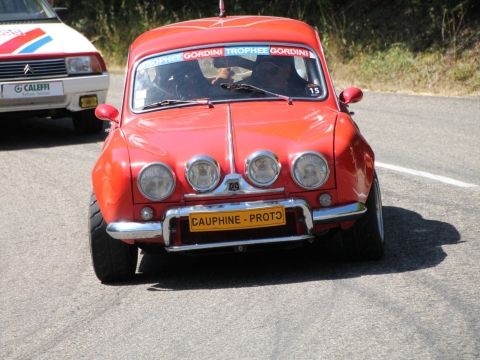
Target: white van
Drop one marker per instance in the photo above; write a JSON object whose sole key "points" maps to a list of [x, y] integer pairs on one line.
{"points": [[48, 69]]}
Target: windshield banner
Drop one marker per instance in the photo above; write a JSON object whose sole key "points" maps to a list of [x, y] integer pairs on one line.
{"points": [[226, 51]]}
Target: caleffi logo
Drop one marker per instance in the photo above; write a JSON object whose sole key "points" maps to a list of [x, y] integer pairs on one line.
{"points": [[31, 87]]}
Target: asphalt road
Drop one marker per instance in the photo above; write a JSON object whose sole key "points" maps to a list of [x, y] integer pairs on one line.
{"points": [[421, 302]]}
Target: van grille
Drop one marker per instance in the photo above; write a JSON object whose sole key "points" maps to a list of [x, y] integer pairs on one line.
{"points": [[32, 69]]}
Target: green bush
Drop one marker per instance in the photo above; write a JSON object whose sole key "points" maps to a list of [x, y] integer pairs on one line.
{"points": [[401, 42]]}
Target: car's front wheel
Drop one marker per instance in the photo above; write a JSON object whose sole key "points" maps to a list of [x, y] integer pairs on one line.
{"points": [[85, 122], [365, 240], [113, 260]]}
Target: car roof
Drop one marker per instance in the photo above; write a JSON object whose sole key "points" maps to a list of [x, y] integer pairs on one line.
{"points": [[230, 29]]}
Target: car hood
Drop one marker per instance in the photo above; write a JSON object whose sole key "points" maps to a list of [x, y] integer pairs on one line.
{"points": [[175, 136], [41, 38]]}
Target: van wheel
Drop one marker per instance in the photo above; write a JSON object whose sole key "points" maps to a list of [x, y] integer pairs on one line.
{"points": [[85, 122], [113, 260], [365, 240]]}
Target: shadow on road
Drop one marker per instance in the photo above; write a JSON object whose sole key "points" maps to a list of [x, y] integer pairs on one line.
{"points": [[28, 133], [414, 243]]}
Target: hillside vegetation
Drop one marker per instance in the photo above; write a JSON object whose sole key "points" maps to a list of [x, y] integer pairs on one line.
{"points": [[428, 46]]}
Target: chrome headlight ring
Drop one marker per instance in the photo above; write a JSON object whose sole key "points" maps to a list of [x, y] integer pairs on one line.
{"points": [[202, 173], [159, 175], [314, 165], [270, 164]]}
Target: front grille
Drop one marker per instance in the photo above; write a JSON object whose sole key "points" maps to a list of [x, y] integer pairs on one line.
{"points": [[291, 228], [15, 70]]}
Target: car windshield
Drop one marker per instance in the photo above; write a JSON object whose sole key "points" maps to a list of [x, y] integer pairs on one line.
{"points": [[25, 10], [227, 73]]}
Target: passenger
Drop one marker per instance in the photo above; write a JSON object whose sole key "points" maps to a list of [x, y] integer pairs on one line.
{"points": [[190, 82], [154, 83]]}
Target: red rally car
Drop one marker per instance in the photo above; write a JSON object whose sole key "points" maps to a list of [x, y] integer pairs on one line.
{"points": [[230, 136]]}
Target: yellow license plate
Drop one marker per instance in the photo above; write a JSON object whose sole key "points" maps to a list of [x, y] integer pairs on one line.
{"points": [[237, 220]]}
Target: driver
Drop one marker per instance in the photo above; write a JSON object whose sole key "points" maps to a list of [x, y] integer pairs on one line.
{"points": [[273, 76], [277, 73]]}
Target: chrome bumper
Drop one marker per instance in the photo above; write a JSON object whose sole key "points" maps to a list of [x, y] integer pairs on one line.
{"points": [[161, 229]]}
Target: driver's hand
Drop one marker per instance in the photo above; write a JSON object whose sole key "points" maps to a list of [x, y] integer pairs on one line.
{"points": [[224, 74]]}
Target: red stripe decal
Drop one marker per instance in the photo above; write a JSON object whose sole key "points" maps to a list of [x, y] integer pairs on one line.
{"points": [[13, 44]]}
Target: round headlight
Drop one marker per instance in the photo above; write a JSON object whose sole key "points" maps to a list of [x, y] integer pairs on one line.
{"points": [[310, 170], [262, 168], [156, 181], [202, 173]]}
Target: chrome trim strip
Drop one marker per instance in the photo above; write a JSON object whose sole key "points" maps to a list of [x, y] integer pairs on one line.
{"points": [[33, 78], [231, 151], [339, 213], [134, 230], [223, 190], [237, 243]]}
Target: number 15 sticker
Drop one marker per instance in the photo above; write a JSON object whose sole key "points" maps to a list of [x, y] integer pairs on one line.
{"points": [[313, 90]]}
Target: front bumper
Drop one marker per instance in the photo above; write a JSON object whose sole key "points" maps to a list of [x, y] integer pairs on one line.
{"points": [[150, 230], [73, 88]]}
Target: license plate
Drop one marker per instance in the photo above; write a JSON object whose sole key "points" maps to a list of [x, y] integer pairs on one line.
{"points": [[237, 220], [32, 90]]}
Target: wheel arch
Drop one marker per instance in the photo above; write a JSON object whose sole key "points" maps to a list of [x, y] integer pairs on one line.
{"points": [[354, 161], [112, 179]]}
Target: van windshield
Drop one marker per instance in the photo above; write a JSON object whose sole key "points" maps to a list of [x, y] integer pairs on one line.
{"points": [[25, 10]]}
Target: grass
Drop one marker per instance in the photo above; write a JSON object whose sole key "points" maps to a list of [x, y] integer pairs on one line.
{"points": [[395, 69], [398, 69]]}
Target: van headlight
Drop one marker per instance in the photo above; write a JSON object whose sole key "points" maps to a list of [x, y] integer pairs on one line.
{"points": [[310, 170], [202, 173], [79, 65], [262, 168], [156, 181]]}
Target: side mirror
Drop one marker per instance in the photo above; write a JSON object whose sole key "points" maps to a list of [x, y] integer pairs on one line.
{"points": [[351, 95], [107, 112]]}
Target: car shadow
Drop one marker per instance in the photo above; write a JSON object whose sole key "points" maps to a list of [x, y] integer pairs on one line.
{"points": [[414, 243], [28, 133]]}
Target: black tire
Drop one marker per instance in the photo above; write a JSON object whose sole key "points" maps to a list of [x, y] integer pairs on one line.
{"points": [[112, 259], [85, 122], [365, 240]]}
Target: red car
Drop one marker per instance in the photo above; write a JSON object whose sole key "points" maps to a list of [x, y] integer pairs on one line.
{"points": [[230, 136]]}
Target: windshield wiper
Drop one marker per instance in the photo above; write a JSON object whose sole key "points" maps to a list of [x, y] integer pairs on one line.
{"points": [[176, 101], [252, 88]]}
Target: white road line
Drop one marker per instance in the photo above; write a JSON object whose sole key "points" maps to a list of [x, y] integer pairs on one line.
{"points": [[424, 174]]}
